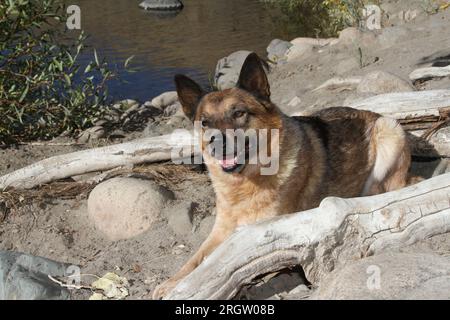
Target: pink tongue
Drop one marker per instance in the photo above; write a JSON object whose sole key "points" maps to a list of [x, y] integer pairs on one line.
{"points": [[228, 163]]}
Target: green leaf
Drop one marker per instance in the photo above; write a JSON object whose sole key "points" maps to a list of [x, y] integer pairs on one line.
{"points": [[88, 68], [24, 93], [96, 58], [128, 61], [68, 81]]}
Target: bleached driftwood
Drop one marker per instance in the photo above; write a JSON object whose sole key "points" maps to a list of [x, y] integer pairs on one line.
{"points": [[406, 104], [154, 149], [340, 83], [430, 73], [319, 239]]}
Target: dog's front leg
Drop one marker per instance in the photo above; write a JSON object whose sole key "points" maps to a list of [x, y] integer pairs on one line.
{"points": [[216, 237]]}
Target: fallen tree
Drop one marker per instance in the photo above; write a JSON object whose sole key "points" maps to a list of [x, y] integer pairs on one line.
{"points": [[147, 150], [429, 73], [404, 105], [319, 239]]}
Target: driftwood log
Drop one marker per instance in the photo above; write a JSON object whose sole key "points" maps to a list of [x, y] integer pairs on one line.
{"points": [[136, 152], [319, 239], [404, 105], [430, 73]]}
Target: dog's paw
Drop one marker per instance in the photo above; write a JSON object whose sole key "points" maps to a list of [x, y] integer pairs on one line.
{"points": [[164, 289]]}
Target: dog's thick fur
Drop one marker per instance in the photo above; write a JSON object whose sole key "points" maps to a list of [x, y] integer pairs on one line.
{"points": [[338, 152]]}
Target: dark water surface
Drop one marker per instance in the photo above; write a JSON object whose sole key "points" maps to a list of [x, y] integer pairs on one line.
{"points": [[190, 42]]}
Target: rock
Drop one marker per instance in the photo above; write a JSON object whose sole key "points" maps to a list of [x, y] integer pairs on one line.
{"points": [[354, 38], [180, 218], [25, 277], [101, 123], [277, 49], [389, 276], [299, 292], [161, 5], [91, 134], [179, 120], [442, 167], [299, 50], [113, 287], [127, 104], [295, 102], [380, 82], [391, 36], [122, 208], [275, 284], [173, 109], [228, 70], [347, 65], [164, 100]]}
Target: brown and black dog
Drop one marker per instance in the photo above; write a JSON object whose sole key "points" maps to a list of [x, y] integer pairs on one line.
{"points": [[339, 152]]}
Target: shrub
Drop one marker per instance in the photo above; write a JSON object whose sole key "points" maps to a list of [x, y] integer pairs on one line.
{"points": [[318, 18], [43, 91]]}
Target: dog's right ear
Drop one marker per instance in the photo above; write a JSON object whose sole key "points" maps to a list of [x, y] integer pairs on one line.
{"points": [[189, 94]]}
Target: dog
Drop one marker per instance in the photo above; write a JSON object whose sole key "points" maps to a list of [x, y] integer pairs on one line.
{"points": [[340, 152]]}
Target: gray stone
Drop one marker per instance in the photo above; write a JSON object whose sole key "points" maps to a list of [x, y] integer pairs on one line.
{"points": [[391, 36], [228, 70], [165, 99], [91, 134], [122, 208], [161, 5], [354, 38], [379, 82], [277, 49], [273, 286], [180, 218], [25, 277], [389, 276], [299, 50], [172, 110]]}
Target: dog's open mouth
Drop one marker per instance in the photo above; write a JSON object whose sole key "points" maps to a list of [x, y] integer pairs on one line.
{"points": [[235, 163], [231, 165]]}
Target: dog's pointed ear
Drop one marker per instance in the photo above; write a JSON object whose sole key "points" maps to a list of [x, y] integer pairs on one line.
{"points": [[253, 77], [189, 94]]}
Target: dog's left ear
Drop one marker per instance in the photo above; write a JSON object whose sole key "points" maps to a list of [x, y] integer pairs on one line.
{"points": [[253, 77], [189, 94]]}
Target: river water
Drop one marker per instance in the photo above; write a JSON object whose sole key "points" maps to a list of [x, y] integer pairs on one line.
{"points": [[190, 42]]}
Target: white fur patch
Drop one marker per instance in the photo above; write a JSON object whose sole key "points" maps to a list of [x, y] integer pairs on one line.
{"points": [[390, 139]]}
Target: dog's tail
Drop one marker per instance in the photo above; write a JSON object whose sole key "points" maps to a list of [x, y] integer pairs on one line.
{"points": [[391, 154]]}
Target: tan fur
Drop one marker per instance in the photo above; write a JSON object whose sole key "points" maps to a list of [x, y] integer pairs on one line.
{"points": [[337, 152]]}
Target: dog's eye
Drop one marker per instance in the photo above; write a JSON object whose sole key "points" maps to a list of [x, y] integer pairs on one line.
{"points": [[205, 123], [239, 114]]}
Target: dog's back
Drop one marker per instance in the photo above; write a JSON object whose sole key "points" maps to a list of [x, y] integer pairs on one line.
{"points": [[345, 153]]}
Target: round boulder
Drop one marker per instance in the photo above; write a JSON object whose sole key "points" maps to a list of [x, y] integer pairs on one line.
{"points": [[122, 208], [277, 49], [228, 70], [165, 99]]}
